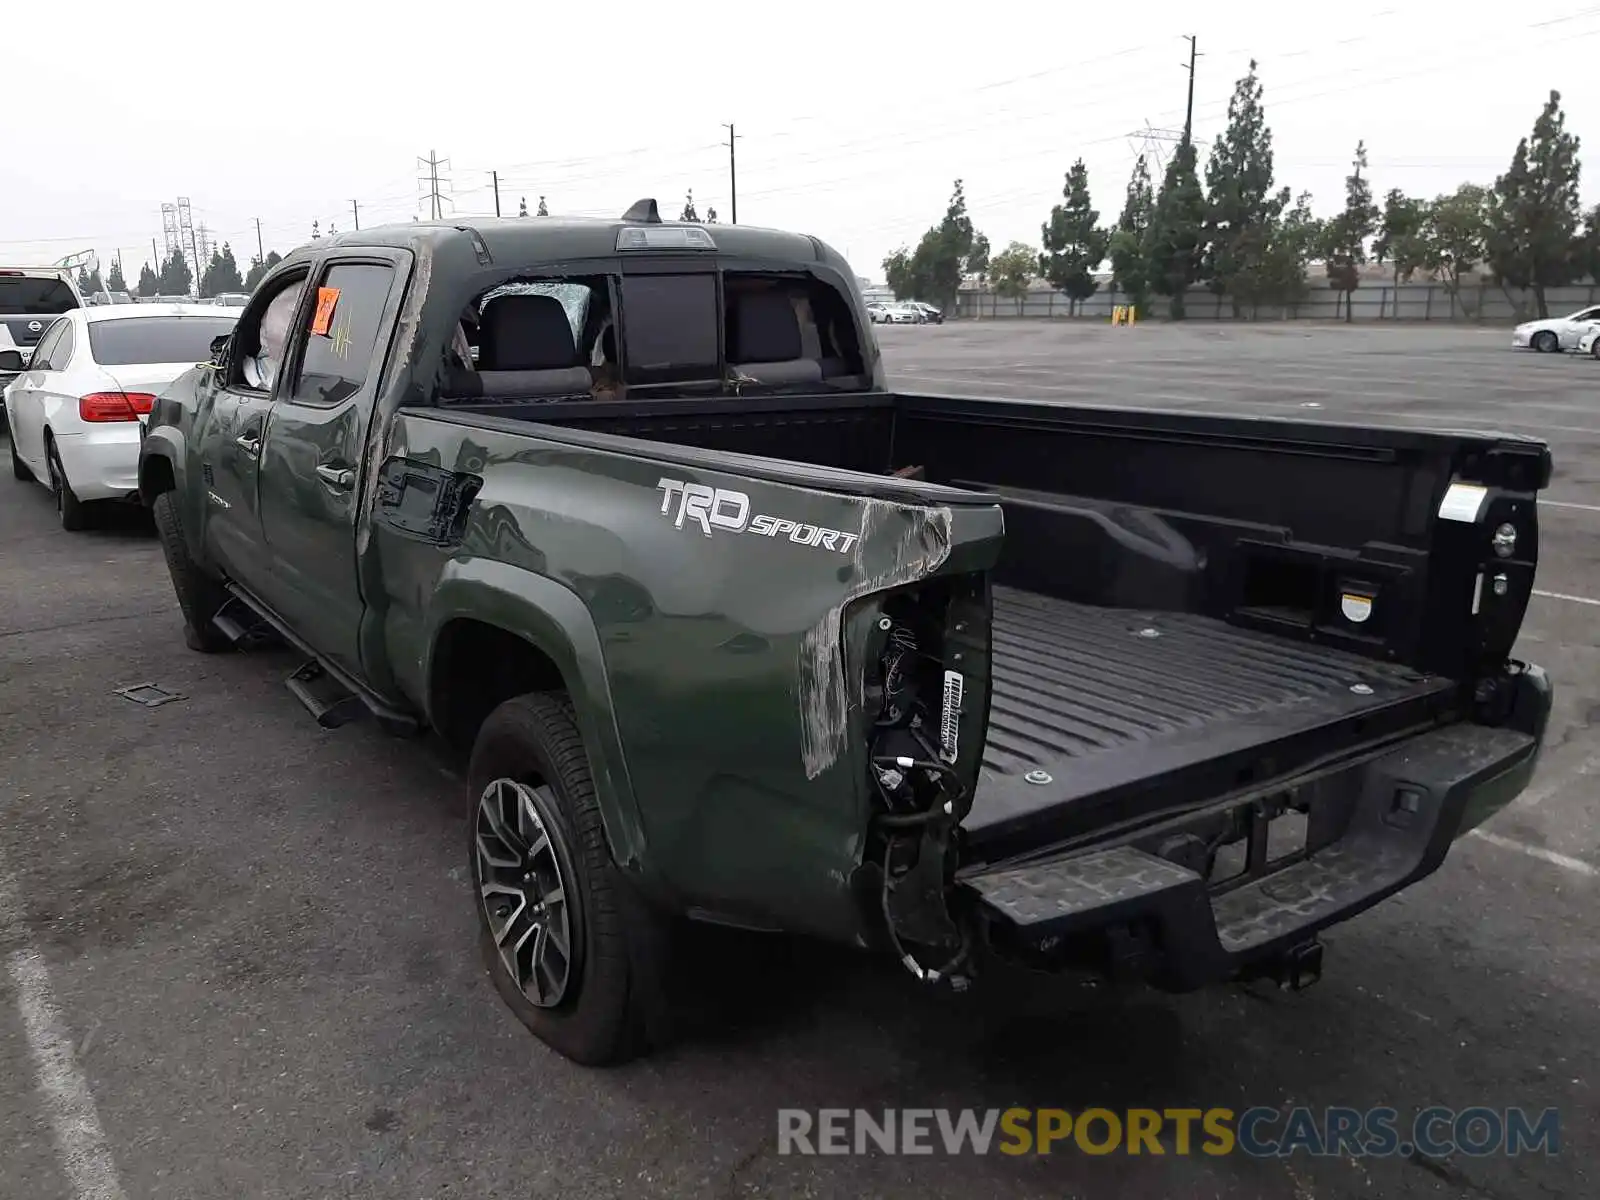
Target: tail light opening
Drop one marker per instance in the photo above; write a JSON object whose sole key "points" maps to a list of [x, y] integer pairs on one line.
{"points": [[102, 407]]}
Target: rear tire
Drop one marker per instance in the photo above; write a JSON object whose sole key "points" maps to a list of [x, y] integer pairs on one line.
{"points": [[19, 468], [533, 810], [74, 517], [1546, 342], [200, 596]]}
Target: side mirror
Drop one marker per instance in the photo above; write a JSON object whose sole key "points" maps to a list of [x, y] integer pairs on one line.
{"points": [[219, 346], [12, 360]]}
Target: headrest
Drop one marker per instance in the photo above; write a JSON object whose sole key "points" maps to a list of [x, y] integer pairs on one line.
{"points": [[763, 327], [526, 333]]}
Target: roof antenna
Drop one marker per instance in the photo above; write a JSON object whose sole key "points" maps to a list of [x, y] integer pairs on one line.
{"points": [[645, 211]]}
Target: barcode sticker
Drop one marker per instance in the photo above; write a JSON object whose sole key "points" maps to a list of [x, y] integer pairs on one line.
{"points": [[950, 721]]}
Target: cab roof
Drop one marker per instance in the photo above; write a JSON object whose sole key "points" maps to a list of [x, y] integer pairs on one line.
{"points": [[513, 241]]}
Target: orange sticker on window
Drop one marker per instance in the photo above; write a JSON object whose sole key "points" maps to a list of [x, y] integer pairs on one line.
{"points": [[322, 320]]}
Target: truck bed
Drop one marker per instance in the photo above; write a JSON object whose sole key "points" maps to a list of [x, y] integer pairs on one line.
{"points": [[1132, 711]]}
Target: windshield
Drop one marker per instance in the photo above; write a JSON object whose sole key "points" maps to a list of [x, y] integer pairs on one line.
{"points": [[155, 339], [37, 297]]}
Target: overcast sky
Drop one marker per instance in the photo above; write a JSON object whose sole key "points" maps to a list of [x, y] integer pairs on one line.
{"points": [[853, 119]]}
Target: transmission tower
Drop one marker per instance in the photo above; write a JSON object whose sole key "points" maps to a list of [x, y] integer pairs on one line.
{"points": [[429, 182], [1152, 143], [169, 231], [204, 246]]}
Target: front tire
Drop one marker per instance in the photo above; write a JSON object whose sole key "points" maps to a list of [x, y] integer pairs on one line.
{"points": [[572, 950], [1546, 342], [74, 517], [200, 597]]}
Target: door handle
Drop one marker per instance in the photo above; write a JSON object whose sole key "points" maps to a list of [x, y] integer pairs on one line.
{"points": [[342, 478], [249, 443]]}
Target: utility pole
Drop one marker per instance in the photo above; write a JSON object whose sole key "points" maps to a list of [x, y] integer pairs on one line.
{"points": [[155, 254], [733, 174], [355, 211], [1188, 116], [496, 176], [197, 267], [261, 252]]}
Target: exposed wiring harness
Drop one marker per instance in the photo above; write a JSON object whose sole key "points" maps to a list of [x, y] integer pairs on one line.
{"points": [[894, 824]]}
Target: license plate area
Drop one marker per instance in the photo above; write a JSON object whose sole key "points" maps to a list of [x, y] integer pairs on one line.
{"points": [[1262, 837]]}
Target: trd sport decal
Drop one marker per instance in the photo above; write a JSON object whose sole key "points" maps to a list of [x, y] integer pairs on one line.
{"points": [[721, 508]]}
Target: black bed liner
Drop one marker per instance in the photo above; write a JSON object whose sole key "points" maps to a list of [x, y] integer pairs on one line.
{"points": [[1127, 713]]}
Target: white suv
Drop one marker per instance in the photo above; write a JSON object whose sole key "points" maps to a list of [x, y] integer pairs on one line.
{"points": [[31, 298]]}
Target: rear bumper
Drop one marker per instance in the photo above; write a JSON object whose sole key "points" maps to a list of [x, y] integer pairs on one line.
{"points": [[1146, 910], [102, 463]]}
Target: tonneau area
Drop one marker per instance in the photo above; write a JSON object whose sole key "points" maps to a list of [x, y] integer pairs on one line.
{"points": [[1121, 708]]}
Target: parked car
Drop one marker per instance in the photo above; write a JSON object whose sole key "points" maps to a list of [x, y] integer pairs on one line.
{"points": [[1555, 333], [770, 645], [231, 299], [74, 409], [1589, 342], [30, 299], [930, 314]]}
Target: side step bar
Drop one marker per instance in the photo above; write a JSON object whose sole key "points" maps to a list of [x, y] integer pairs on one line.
{"points": [[329, 694]]}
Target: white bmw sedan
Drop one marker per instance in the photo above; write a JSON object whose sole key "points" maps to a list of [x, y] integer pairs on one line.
{"points": [[75, 409]]}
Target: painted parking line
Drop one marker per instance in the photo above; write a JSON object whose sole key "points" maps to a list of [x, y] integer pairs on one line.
{"points": [[1565, 861], [1543, 503], [81, 1146], [1568, 598]]}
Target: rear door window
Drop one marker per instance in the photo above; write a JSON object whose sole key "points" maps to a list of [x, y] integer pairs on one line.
{"points": [[670, 328]]}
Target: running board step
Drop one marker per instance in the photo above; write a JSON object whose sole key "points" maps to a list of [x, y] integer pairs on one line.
{"points": [[325, 698], [242, 626]]}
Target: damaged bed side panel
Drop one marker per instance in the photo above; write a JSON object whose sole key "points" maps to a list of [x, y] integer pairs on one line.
{"points": [[721, 604]]}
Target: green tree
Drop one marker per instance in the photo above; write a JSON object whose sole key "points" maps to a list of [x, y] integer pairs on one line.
{"points": [[543, 210], [1293, 237], [1174, 244], [1535, 213], [522, 207], [1012, 271], [89, 281], [946, 253], [222, 275], [114, 281], [711, 215], [897, 273], [1074, 243], [175, 278], [149, 281], [1401, 239], [1241, 204], [1587, 256], [688, 213], [1129, 270], [1345, 237], [1455, 235], [259, 269]]}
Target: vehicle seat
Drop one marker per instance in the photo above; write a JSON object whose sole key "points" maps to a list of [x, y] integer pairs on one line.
{"points": [[526, 348], [764, 340]]}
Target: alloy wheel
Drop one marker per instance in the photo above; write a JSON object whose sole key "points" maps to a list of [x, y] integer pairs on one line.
{"points": [[523, 889]]}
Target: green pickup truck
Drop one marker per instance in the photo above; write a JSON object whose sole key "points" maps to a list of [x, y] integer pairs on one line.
{"points": [[728, 631]]}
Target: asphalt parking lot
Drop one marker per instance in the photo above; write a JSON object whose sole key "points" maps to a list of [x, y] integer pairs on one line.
{"points": [[241, 955]]}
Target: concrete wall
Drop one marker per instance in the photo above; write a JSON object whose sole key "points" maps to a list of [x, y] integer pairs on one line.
{"points": [[1478, 301]]}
